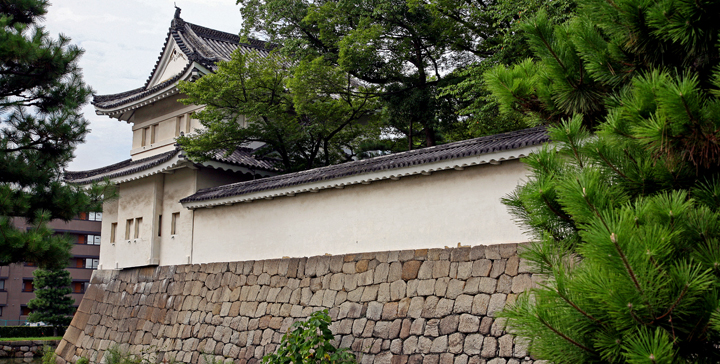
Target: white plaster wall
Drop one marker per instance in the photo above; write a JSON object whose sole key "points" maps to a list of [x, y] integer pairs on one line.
{"points": [[175, 249], [107, 249], [443, 209], [137, 199]]}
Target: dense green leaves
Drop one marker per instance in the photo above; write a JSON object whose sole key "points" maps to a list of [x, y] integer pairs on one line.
{"points": [[626, 218], [308, 114], [310, 342], [51, 304], [41, 93]]}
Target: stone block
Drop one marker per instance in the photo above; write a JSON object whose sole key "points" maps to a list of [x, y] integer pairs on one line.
{"points": [[480, 304], [374, 311], [521, 283], [469, 323], [512, 265], [521, 347], [497, 302], [508, 250], [397, 289], [481, 268], [441, 286], [410, 345], [498, 327], [439, 345], [456, 342], [473, 344], [498, 268], [432, 328], [358, 327], [416, 307], [426, 270], [504, 284], [460, 254], [361, 266], [426, 287], [424, 344], [428, 310], [381, 273], [394, 329], [383, 292], [395, 271], [505, 344], [441, 268], [365, 279], [356, 294], [370, 294], [489, 348], [410, 269], [448, 325], [404, 307], [492, 252], [455, 288], [389, 311], [444, 307]]}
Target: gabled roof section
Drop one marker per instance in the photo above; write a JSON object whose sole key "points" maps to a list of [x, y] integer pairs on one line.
{"points": [[202, 47], [120, 172], [490, 149]]}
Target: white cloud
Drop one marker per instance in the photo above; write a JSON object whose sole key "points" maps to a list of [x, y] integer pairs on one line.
{"points": [[122, 41]]}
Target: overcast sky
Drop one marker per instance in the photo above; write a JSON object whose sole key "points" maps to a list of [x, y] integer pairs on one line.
{"points": [[122, 41]]}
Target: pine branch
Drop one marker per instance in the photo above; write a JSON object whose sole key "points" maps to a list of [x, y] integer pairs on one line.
{"points": [[565, 337]]}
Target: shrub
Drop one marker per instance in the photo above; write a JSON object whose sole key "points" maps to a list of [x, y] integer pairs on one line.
{"points": [[309, 342]]}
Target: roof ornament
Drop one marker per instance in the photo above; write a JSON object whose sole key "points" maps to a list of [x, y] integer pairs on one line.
{"points": [[177, 11]]}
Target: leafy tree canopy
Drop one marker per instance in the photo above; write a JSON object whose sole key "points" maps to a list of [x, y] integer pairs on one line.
{"points": [[403, 49], [51, 304], [308, 114], [41, 93], [624, 204]]}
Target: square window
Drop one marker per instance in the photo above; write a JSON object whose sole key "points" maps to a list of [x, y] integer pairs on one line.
{"points": [[173, 223]]}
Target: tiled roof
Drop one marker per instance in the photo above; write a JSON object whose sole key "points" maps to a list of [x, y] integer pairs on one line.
{"points": [[200, 44], [123, 168], [465, 148], [242, 157]]}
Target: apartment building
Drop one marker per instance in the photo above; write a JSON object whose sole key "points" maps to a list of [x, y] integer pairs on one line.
{"points": [[16, 280]]}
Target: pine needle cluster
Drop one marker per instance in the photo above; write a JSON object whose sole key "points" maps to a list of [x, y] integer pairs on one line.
{"points": [[624, 204]]}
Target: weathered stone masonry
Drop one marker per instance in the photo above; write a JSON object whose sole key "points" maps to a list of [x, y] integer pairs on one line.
{"points": [[432, 306]]}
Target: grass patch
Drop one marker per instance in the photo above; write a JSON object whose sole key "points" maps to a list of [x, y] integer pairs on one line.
{"points": [[47, 338]]}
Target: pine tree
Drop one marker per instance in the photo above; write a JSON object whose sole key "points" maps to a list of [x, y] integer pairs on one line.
{"points": [[41, 93], [51, 304], [624, 204]]}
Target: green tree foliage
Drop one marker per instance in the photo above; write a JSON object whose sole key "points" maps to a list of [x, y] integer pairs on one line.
{"points": [[41, 93], [51, 304], [503, 42], [310, 342], [626, 217], [402, 49], [309, 114]]}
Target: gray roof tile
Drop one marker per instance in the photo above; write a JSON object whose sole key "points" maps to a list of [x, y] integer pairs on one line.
{"points": [[465, 148]]}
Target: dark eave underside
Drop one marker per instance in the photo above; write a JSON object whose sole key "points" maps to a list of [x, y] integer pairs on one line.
{"points": [[465, 148]]}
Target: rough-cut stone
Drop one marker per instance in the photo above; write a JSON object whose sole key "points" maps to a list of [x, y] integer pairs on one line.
{"points": [[468, 323], [489, 348], [410, 270], [425, 306], [448, 325], [473, 344], [497, 302]]}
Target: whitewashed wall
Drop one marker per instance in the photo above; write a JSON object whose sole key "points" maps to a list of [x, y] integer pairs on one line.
{"points": [[442, 209]]}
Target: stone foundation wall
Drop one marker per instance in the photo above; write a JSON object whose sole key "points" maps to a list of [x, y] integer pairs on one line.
{"points": [[424, 306], [25, 349]]}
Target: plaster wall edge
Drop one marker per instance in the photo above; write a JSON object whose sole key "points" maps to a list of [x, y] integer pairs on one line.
{"points": [[366, 178]]}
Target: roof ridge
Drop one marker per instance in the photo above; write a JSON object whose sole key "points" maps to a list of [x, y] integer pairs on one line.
{"points": [[317, 174]]}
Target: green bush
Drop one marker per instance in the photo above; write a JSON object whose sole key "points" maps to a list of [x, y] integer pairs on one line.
{"points": [[29, 331], [48, 355], [309, 342]]}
